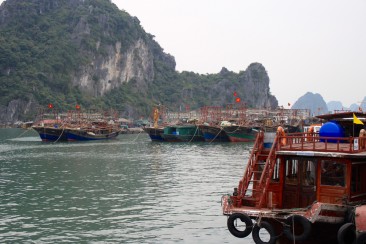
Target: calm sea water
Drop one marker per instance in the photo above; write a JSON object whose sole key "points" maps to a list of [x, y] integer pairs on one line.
{"points": [[128, 190]]}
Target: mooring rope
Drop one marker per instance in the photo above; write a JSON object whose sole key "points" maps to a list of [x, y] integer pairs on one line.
{"points": [[137, 136], [62, 132], [216, 135], [22, 133], [194, 134]]}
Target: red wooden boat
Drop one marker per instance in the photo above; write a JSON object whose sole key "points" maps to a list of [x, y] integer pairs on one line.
{"points": [[304, 187]]}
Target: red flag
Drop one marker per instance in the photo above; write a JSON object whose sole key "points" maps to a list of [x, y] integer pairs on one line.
{"points": [[237, 100], [77, 106], [50, 105], [235, 94]]}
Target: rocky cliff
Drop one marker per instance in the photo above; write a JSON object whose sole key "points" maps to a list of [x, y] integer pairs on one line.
{"points": [[89, 52]]}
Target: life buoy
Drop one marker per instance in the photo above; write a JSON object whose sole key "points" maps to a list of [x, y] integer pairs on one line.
{"points": [[269, 228], [232, 225], [361, 238], [346, 234], [281, 134], [310, 133], [295, 233]]}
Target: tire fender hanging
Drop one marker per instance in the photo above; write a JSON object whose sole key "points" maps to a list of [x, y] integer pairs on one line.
{"points": [[297, 220], [346, 234], [265, 225], [231, 225]]}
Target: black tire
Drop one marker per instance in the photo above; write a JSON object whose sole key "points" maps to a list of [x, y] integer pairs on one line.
{"points": [[231, 225], [361, 238], [347, 234], [255, 233], [298, 220]]}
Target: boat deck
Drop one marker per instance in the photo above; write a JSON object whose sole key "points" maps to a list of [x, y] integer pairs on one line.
{"points": [[351, 145]]}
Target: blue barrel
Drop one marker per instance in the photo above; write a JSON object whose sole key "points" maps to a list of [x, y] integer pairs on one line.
{"points": [[331, 129]]}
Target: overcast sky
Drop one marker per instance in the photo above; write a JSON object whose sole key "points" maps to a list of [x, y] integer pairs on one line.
{"points": [[305, 46]]}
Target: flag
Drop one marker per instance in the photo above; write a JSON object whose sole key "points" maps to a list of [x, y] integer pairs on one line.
{"points": [[357, 120]]}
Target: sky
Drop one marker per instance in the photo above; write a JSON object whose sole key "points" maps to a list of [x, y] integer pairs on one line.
{"points": [[305, 46]]}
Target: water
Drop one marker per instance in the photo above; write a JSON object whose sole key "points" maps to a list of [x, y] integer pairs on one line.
{"points": [[128, 190]]}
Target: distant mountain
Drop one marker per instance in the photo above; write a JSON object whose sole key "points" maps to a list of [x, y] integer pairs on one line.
{"points": [[334, 106], [314, 102], [354, 107]]}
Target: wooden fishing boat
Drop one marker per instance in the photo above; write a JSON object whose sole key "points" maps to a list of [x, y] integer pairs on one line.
{"points": [[213, 133], [304, 187]]}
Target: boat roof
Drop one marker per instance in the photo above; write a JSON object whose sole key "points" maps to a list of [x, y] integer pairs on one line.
{"points": [[343, 116]]}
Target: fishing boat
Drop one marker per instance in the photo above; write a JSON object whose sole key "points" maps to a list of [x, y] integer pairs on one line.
{"points": [[304, 187], [182, 133], [213, 133]]}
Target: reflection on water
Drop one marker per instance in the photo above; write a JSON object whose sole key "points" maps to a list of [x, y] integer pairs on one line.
{"points": [[128, 190]]}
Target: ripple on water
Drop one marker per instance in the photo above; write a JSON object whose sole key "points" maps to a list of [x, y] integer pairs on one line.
{"points": [[128, 190]]}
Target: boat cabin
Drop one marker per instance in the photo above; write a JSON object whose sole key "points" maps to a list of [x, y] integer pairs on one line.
{"points": [[314, 175]]}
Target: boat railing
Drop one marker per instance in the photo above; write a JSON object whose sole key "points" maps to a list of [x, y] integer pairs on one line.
{"points": [[314, 142]]}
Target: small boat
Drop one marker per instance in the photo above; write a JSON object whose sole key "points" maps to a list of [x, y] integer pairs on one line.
{"points": [[304, 187], [155, 134], [213, 133], [182, 133]]}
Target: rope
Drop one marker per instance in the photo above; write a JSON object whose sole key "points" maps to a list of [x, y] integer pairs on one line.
{"points": [[137, 136], [62, 132], [22, 134], [233, 130], [194, 134], [216, 135]]}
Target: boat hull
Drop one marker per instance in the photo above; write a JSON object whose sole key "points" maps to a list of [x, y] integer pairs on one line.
{"points": [[51, 133], [83, 135], [240, 133], [213, 133], [154, 133], [182, 133]]}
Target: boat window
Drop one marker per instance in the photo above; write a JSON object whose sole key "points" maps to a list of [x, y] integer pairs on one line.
{"points": [[276, 171], [333, 173], [308, 173], [291, 172]]}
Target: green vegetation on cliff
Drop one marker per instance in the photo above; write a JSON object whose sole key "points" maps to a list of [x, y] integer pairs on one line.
{"points": [[47, 48]]}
